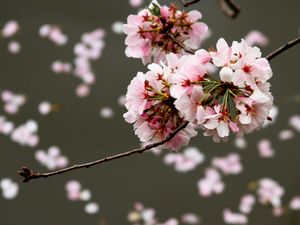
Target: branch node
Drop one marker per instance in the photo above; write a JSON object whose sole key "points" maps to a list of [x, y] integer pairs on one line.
{"points": [[27, 174]]}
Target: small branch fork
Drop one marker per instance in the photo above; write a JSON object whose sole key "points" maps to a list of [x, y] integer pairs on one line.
{"points": [[230, 8], [29, 174]]}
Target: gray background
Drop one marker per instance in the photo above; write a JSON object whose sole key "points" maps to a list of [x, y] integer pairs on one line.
{"points": [[83, 136]]}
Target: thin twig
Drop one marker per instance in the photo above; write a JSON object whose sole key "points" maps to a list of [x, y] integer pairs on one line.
{"points": [[186, 49], [230, 9], [29, 174], [188, 3], [283, 48]]}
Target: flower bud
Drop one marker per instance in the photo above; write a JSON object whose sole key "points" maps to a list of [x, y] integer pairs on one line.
{"points": [[226, 74]]}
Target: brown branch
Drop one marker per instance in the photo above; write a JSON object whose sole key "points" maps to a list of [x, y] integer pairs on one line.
{"points": [[186, 3], [283, 48], [29, 174], [230, 8], [186, 49]]}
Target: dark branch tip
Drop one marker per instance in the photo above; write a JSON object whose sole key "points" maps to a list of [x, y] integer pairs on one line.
{"points": [[27, 174]]}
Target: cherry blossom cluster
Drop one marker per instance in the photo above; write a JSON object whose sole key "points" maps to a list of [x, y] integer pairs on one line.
{"points": [[186, 161], [26, 134], [9, 188], [147, 216], [270, 192], [159, 30], [52, 159], [184, 89], [89, 49], [12, 101], [53, 33], [151, 107], [212, 183], [76, 193]]}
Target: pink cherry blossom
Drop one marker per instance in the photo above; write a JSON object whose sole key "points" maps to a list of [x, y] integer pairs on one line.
{"points": [[190, 218], [14, 47], [106, 112], [211, 183], [83, 90], [6, 127], [265, 149], [247, 203], [151, 107], [295, 122], [286, 134], [75, 192], [92, 208], [243, 63], [205, 101], [136, 3], [234, 218], [10, 189], [273, 114], [52, 159], [256, 37], [73, 189], [53, 33], [122, 100], [60, 67], [270, 192], [228, 165], [10, 28], [26, 134], [240, 142], [117, 27], [45, 108], [12, 101], [186, 161], [295, 203], [159, 30], [278, 211]]}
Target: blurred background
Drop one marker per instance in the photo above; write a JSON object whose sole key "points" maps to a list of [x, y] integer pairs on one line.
{"points": [[92, 127]]}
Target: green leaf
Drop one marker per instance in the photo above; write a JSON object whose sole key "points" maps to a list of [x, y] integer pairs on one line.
{"points": [[154, 9]]}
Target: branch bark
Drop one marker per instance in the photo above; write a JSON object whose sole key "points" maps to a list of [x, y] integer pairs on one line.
{"points": [[283, 48], [29, 174]]}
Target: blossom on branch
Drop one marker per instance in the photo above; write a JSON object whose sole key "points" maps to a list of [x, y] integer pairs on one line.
{"points": [[187, 88], [159, 30]]}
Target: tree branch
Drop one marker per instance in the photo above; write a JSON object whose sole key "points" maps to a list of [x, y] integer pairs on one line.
{"points": [[29, 174], [230, 8], [283, 48], [186, 3]]}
